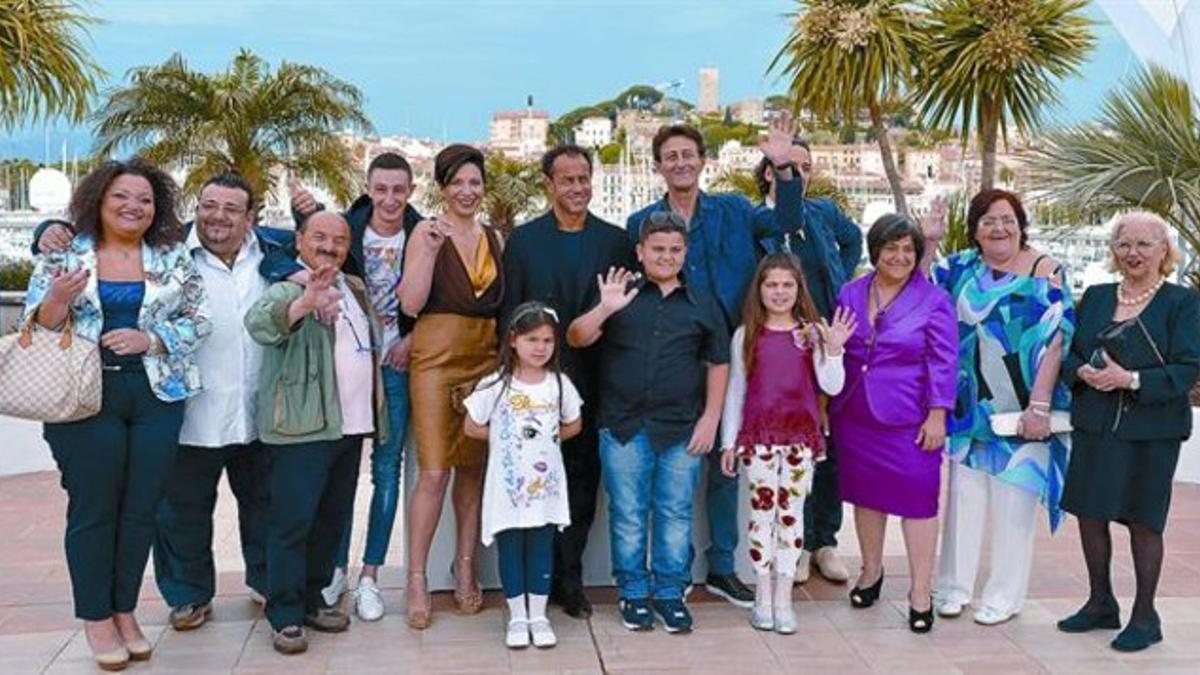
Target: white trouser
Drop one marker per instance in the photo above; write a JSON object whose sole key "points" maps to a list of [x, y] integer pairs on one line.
{"points": [[979, 501]]}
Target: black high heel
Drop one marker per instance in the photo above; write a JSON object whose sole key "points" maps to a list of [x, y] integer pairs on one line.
{"points": [[862, 598], [920, 622]]}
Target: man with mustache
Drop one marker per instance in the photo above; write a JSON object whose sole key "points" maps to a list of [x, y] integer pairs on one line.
{"points": [[320, 395], [381, 223]]}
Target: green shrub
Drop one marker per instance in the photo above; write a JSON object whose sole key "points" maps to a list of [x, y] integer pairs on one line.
{"points": [[14, 274]]}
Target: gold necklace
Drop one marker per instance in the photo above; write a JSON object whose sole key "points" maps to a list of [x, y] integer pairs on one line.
{"points": [[1141, 297]]}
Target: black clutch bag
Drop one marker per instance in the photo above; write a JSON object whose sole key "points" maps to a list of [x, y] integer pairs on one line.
{"points": [[1130, 345]]}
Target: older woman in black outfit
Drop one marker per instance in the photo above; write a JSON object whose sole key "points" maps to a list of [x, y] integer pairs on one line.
{"points": [[1135, 356]]}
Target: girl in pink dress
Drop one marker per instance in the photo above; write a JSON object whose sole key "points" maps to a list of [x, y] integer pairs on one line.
{"points": [[772, 421]]}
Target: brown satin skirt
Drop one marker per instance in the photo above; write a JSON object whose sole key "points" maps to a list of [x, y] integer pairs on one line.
{"points": [[450, 353]]}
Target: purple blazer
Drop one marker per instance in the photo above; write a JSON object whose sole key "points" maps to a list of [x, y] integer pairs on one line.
{"points": [[911, 365]]}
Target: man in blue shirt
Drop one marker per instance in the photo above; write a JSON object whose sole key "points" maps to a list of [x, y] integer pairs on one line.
{"points": [[830, 247], [722, 253]]}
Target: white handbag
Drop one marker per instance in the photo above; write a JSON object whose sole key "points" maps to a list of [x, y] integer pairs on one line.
{"points": [[1005, 424], [49, 376]]}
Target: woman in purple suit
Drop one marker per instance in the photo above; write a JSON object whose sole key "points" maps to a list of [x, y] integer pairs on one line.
{"points": [[889, 422]]}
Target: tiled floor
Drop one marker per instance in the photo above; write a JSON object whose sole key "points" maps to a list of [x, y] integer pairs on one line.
{"points": [[38, 633]]}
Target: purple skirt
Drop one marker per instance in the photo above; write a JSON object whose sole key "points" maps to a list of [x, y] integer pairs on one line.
{"points": [[881, 467]]}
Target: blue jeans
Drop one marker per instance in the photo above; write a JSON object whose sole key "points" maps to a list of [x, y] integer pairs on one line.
{"points": [[386, 462], [649, 493]]}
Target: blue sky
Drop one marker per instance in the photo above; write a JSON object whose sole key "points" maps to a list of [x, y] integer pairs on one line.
{"points": [[439, 68]]}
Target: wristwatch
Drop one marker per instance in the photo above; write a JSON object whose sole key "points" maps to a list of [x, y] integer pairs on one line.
{"points": [[1135, 381]]}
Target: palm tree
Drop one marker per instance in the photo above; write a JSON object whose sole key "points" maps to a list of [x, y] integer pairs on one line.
{"points": [[995, 62], [1143, 152], [745, 184], [844, 56], [514, 192], [246, 119], [44, 68]]}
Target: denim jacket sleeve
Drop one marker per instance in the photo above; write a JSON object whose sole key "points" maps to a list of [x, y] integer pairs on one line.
{"points": [[849, 240], [279, 262], [786, 217]]}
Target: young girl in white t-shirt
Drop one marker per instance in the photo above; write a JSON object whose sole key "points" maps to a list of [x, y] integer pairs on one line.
{"points": [[524, 411]]}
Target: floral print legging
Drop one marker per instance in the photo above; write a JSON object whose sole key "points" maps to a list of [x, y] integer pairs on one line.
{"points": [[780, 478]]}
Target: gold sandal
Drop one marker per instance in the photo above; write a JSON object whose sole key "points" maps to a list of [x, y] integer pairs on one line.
{"points": [[418, 617], [469, 602]]}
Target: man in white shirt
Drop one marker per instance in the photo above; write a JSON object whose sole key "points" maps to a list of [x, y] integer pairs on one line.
{"points": [[219, 432]]}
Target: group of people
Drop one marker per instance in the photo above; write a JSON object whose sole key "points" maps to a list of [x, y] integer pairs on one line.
{"points": [[708, 335]]}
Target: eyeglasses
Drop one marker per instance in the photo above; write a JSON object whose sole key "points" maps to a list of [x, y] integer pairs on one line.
{"points": [[228, 209], [1141, 245], [360, 348], [1002, 221]]}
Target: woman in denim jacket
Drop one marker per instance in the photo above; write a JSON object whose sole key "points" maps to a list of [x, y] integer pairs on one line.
{"points": [[129, 284]]}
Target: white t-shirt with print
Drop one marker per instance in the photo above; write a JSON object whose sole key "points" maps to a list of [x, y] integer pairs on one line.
{"points": [[383, 258], [526, 484]]}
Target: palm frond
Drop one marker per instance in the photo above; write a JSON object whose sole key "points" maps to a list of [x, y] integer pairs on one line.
{"points": [[45, 69], [1142, 152], [245, 118]]}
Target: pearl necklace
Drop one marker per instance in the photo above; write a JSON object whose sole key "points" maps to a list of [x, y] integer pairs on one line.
{"points": [[1141, 297]]}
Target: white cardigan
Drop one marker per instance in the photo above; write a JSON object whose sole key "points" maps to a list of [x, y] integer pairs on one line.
{"points": [[830, 377]]}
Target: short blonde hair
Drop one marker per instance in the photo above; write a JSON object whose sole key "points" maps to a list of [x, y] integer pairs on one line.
{"points": [[1169, 261]]}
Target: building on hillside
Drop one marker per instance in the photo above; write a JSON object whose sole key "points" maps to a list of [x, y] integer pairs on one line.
{"points": [[620, 189], [520, 134], [594, 132], [733, 156], [748, 111], [639, 127], [709, 100]]}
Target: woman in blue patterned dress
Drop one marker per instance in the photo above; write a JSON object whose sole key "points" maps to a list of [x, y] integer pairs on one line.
{"points": [[1015, 320]]}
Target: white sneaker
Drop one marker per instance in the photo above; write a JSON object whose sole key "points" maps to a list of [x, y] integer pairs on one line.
{"points": [[949, 608], [990, 616], [762, 618], [803, 567], [337, 586], [368, 601], [517, 636], [543, 634], [830, 566], [785, 620]]}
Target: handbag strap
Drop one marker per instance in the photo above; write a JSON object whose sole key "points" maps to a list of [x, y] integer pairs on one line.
{"points": [[64, 341]]}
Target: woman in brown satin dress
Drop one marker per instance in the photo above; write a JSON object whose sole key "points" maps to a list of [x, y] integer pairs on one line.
{"points": [[453, 283]]}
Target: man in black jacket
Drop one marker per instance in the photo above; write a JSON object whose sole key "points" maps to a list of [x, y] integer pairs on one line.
{"points": [[381, 222], [555, 259]]}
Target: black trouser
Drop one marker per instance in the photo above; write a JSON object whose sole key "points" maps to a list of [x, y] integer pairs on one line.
{"points": [[183, 558], [114, 466], [823, 508], [581, 459], [312, 495]]}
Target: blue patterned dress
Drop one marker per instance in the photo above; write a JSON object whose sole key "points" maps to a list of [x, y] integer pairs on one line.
{"points": [[1006, 326]]}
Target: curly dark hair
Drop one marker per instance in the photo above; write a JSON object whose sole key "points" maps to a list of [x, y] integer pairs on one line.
{"points": [[165, 229]]}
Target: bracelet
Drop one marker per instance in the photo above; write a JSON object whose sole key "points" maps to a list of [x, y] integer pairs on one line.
{"points": [[1040, 413], [1045, 405]]}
